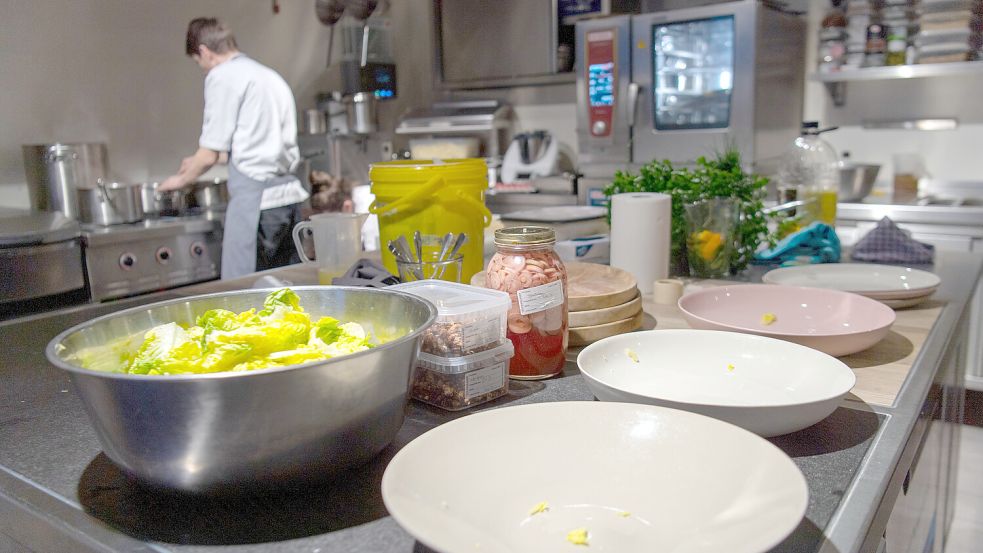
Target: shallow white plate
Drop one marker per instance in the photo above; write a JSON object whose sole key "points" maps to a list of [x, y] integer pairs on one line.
{"points": [[768, 386], [638, 478], [867, 279]]}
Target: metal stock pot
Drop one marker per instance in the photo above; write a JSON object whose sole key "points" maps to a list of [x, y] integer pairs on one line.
{"points": [[110, 203]]}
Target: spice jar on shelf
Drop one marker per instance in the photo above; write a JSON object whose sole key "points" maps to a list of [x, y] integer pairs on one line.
{"points": [[525, 266]]}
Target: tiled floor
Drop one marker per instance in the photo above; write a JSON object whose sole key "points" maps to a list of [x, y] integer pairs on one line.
{"points": [[966, 533]]}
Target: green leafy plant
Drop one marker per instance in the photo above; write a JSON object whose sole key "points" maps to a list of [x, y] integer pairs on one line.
{"points": [[721, 177]]}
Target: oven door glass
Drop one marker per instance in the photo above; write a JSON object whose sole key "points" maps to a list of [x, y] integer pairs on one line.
{"points": [[693, 70]]}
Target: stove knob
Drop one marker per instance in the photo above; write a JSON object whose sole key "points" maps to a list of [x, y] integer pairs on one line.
{"points": [[163, 255], [197, 249], [127, 261]]}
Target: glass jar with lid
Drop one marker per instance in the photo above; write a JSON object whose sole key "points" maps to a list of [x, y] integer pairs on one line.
{"points": [[525, 266]]}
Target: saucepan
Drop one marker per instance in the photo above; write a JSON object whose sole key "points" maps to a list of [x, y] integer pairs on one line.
{"points": [[162, 204], [110, 203], [211, 194]]}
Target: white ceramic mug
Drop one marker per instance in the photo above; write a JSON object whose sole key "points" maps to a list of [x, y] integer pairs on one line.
{"points": [[337, 242]]}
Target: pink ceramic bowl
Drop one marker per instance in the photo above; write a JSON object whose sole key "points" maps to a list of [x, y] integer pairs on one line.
{"points": [[833, 322]]}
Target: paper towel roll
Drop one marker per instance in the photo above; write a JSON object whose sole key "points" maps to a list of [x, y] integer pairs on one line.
{"points": [[640, 236]]}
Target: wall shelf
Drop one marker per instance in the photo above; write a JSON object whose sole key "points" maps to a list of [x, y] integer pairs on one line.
{"points": [[836, 81]]}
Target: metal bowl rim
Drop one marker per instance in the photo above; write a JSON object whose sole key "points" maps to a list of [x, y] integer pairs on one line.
{"points": [[54, 359]]}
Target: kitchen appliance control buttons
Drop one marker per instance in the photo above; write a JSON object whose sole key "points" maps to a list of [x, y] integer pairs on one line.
{"points": [[197, 249], [127, 261], [599, 128], [163, 255]]}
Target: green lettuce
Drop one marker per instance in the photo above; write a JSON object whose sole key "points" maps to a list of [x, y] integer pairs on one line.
{"points": [[279, 335]]}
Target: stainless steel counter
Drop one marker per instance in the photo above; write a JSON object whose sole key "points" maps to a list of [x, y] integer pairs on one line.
{"points": [[869, 210], [58, 492]]}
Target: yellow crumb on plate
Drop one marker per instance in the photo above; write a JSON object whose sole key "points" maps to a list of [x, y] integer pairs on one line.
{"points": [[768, 318], [730, 366], [624, 514], [540, 507], [578, 536], [631, 355]]}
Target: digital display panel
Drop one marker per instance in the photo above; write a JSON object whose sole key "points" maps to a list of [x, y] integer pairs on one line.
{"points": [[600, 84]]}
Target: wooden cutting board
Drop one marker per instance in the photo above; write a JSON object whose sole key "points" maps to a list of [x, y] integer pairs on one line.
{"points": [[582, 336], [591, 286], [606, 315]]}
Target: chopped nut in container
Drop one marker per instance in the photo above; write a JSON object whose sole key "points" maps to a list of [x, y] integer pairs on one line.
{"points": [[460, 382], [469, 319]]}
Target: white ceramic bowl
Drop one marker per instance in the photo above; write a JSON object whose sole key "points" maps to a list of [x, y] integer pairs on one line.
{"points": [[638, 478], [834, 322], [887, 282], [768, 386]]}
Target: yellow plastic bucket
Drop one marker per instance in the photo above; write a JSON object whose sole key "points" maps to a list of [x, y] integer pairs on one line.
{"points": [[433, 197]]}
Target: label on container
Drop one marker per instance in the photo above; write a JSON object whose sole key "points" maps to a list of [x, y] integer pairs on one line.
{"points": [[540, 298], [484, 381], [480, 333]]}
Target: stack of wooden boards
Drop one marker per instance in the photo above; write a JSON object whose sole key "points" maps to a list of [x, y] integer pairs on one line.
{"points": [[602, 301]]}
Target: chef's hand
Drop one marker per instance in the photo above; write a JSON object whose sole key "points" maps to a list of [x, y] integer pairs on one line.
{"points": [[173, 182]]}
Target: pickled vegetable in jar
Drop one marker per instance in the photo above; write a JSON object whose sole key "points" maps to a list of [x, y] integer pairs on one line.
{"points": [[525, 266]]}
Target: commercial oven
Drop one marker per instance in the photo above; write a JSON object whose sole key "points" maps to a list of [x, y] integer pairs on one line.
{"points": [[685, 83]]}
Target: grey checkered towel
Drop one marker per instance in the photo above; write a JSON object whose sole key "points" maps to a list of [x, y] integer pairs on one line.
{"points": [[887, 243], [368, 273]]}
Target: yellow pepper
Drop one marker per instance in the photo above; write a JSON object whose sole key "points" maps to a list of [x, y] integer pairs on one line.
{"points": [[709, 243]]}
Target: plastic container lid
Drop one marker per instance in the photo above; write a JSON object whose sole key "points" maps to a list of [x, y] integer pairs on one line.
{"points": [[467, 363], [456, 302]]}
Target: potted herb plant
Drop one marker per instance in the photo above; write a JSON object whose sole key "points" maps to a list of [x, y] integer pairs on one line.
{"points": [[721, 177]]}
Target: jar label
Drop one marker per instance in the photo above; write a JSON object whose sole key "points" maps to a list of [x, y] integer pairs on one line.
{"points": [[484, 381], [540, 298], [479, 333]]}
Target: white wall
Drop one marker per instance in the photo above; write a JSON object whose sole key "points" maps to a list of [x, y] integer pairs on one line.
{"points": [[114, 71], [955, 154]]}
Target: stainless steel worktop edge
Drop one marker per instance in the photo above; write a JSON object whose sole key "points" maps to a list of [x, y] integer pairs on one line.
{"points": [[879, 479], [971, 216]]}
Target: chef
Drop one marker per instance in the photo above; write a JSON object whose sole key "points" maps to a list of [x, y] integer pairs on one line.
{"points": [[249, 121]]}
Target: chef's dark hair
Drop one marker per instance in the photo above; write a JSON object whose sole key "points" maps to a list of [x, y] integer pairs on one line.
{"points": [[212, 33]]}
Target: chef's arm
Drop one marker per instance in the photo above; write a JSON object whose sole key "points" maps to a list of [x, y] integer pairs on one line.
{"points": [[191, 168]]}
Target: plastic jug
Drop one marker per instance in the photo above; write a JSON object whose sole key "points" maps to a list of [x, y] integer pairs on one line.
{"points": [[337, 242], [435, 198]]}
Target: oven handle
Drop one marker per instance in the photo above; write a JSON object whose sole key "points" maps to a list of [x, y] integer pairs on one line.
{"points": [[633, 90]]}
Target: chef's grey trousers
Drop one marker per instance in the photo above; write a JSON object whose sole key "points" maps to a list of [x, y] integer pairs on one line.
{"points": [[241, 242]]}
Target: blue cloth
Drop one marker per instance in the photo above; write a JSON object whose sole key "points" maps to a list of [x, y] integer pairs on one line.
{"points": [[817, 243], [887, 243]]}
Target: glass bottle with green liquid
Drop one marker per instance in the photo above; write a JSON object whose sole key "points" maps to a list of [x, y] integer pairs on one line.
{"points": [[810, 166]]}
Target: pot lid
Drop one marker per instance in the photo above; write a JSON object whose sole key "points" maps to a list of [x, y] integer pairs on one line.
{"points": [[22, 228]]}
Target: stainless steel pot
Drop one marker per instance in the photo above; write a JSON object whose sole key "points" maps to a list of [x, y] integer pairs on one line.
{"points": [[110, 203], [56, 171], [200, 432], [211, 194], [161, 204]]}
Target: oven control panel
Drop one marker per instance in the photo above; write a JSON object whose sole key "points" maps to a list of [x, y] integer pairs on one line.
{"points": [[604, 90], [601, 80]]}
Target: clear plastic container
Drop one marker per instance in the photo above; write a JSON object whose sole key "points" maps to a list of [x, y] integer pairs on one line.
{"points": [[469, 319], [811, 167], [460, 382]]}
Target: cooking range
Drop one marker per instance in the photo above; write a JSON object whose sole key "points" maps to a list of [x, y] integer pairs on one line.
{"points": [[128, 259]]}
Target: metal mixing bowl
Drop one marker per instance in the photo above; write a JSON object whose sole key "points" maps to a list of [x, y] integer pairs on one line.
{"points": [[856, 180], [217, 431]]}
